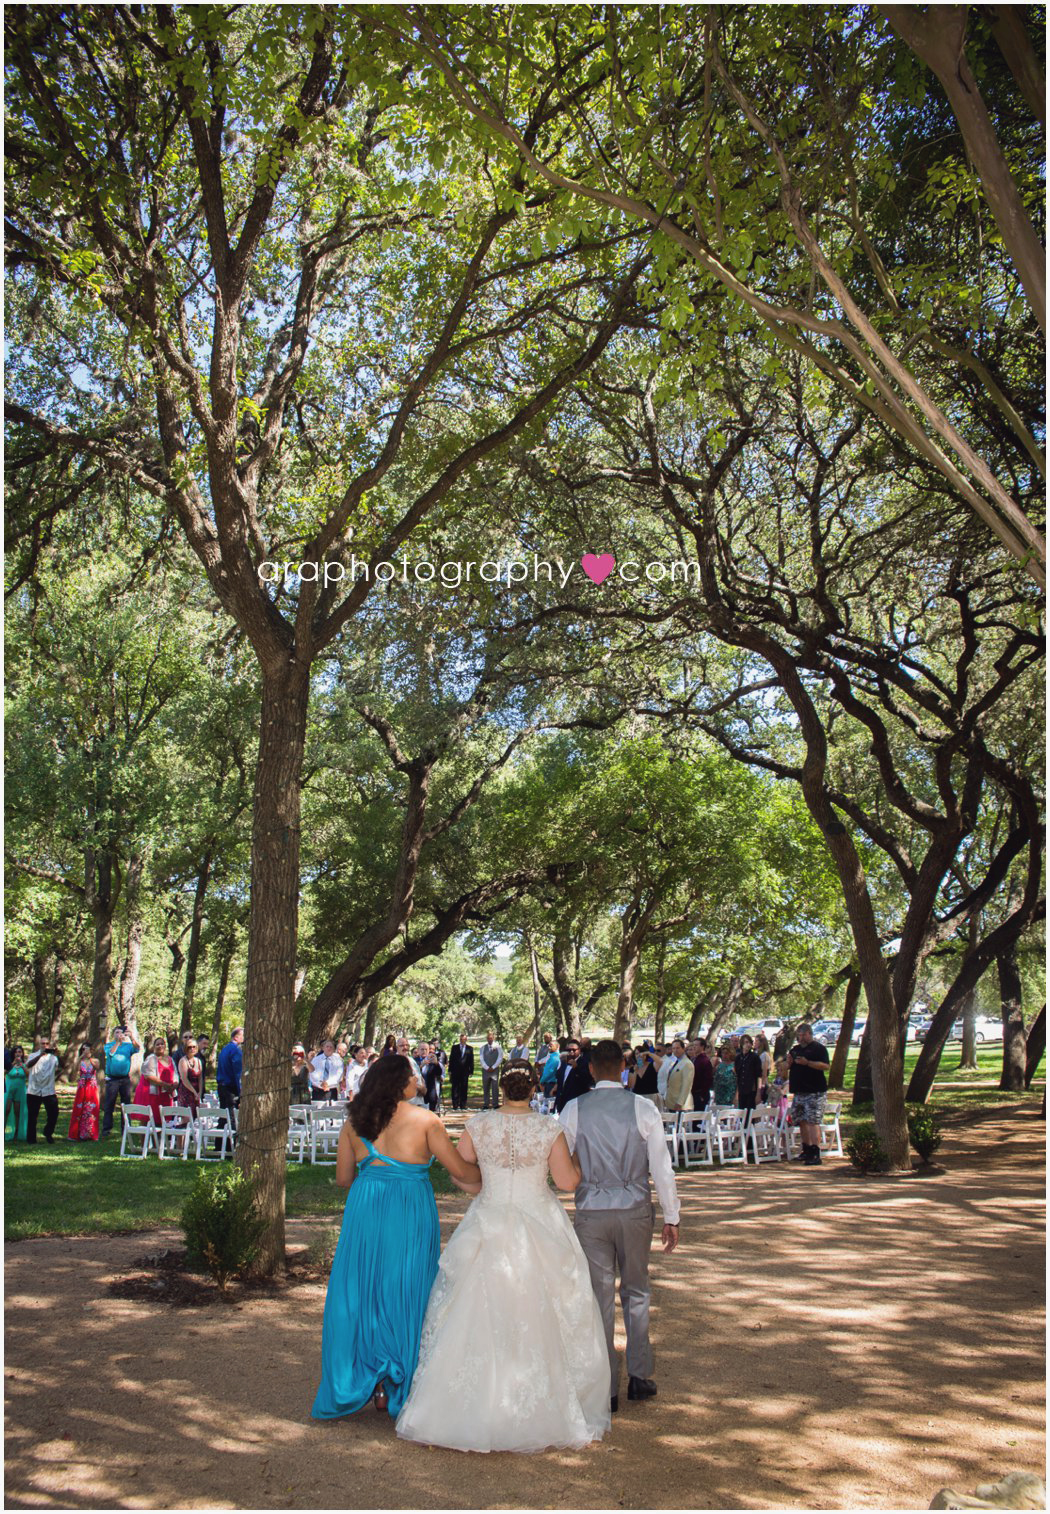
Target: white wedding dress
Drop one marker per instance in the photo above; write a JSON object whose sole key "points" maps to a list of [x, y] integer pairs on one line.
{"points": [[513, 1354]]}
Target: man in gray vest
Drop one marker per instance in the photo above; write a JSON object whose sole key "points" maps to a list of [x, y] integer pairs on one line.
{"points": [[491, 1060], [619, 1141]]}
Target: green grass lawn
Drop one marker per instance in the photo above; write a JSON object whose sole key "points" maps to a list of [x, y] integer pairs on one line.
{"points": [[85, 1188]]}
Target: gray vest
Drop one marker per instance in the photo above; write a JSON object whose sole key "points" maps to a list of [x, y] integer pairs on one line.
{"points": [[612, 1153]]}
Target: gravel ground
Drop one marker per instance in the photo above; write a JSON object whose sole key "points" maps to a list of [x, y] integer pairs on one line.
{"points": [[823, 1341]]}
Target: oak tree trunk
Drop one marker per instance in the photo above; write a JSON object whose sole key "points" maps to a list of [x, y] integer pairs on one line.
{"points": [[40, 995], [272, 934], [840, 1056], [228, 949], [1012, 1079], [1035, 1047], [103, 903], [369, 1038], [193, 951]]}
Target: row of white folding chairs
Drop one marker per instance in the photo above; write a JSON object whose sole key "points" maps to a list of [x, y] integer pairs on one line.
{"points": [[693, 1136], [212, 1134], [315, 1129]]}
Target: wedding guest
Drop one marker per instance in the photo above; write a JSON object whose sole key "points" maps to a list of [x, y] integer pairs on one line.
{"points": [[42, 1067], [679, 1084], [550, 1070], [204, 1052], [387, 1256], [300, 1089], [703, 1074], [460, 1068], [433, 1075], [548, 1049], [83, 1122], [389, 1046], [748, 1067], [157, 1082], [725, 1077], [576, 1079], [15, 1106], [519, 1052], [191, 1079], [402, 1051], [630, 1066], [647, 1076], [228, 1070], [355, 1071], [765, 1056], [118, 1052], [491, 1061], [326, 1073]]}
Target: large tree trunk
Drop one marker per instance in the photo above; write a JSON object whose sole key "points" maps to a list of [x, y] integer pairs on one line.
{"points": [[1035, 1046], [968, 1054], [630, 961], [699, 1014], [370, 1021], [229, 947], [272, 938], [661, 992], [102, 895], [193, 951], [728, 1008], [40, 995], [937, 34], [129, 974], [1015, 44], [1012, 1079], [58, 1002], [840, 1056], [564, 983]]}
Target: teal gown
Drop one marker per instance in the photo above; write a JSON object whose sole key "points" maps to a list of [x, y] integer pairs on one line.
{"points": [[382, 1273], [16, 1108]]}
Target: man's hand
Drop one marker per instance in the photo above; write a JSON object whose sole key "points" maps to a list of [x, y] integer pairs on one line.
{"points": [[670, 1238]]}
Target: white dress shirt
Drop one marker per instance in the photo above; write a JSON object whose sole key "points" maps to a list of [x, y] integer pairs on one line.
{"points": [[663, 1072], [651, 1129], [40, 1079], [326, 1070], [355, 1071], [519, 1054]]}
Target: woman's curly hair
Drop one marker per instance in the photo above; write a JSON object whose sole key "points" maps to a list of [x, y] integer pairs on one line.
{"points": [[519, 1081], [381, 1091]]}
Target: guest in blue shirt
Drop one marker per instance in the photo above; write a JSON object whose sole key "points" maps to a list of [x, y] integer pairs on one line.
{"points": [[119, 1049], [228, 1070]]}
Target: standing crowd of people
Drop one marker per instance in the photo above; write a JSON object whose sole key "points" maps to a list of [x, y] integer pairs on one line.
{"points": [[675, 1075]]}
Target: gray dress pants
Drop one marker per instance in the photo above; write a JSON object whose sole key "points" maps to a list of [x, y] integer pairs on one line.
{"points": [[620, 1240]]}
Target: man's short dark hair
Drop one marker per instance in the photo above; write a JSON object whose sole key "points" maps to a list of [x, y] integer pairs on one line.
{"points": [[606, 1056]]}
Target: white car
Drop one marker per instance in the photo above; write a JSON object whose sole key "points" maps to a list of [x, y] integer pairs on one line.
{"points": [[985, 1028], [767, 1028]]}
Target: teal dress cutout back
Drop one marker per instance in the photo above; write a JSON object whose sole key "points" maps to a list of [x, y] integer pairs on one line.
{"points": [[384, 1267]]}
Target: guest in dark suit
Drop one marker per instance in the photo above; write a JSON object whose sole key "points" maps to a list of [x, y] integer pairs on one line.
{"points": [[574, 1077], [460, 1067], [703, 1074]]}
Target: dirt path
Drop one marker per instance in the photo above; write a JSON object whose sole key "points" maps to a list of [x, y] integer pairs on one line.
{"points": [[822, 1341]]}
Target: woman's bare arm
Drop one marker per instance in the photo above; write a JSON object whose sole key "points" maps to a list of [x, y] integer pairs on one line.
{"points": [[461, 1162], [345, 1158], [563, 1165]]}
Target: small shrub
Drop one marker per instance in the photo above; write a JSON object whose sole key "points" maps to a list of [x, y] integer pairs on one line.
{"points": [[864, 1148], [924, 1132], [222, 1227], [321, 1251]]}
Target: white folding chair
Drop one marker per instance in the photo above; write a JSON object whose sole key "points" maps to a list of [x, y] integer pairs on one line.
{"points": [[176, 1131], [671, 1136], [298, 1131], [694, 1139], [213, 1135], [763, 1136], [830, 1131], [138, 1127], [730, 1136], [325, 1129], [792, 1138]]}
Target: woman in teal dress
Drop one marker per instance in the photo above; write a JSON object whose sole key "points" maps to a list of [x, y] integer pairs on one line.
{"points": [[387, 1256], [16, 1107]]}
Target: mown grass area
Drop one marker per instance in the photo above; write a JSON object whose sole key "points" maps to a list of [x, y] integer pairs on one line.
{"points": [[85, 1188]]}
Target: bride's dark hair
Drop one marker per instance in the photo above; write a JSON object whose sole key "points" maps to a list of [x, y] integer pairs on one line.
{"points": [[519, 1081], [381, 1091]]}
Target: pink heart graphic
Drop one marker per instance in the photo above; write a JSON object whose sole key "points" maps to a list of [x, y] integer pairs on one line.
{"points": [[597, 568]]}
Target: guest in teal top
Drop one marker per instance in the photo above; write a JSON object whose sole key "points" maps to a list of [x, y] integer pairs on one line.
{"points": [[387, 1256], [15, 1103]]}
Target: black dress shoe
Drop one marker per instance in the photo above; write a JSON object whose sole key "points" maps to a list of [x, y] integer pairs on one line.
{"points": [[641, 1387], [614, 1403]]}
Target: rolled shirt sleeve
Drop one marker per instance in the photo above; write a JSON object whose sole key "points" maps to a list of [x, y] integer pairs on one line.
{"points": [[651, 1127]]}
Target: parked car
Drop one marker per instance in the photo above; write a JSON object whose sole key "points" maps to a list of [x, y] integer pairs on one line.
{"points": [[985, 1028], [827, 1032], [767, 1028], [858, 1032]]}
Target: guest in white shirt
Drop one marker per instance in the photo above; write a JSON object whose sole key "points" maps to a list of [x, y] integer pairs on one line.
{"points": [[403, 1051], [519, 1052], [326, 1072], [355, 1070], [42, 1065]]}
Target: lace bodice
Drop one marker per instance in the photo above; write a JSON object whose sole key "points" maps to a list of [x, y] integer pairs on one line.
{"points": [[512, 1152]]}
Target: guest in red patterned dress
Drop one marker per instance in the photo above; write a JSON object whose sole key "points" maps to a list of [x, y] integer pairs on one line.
{"points": [[191, 1078], [157, 1083], [83, 1122]]}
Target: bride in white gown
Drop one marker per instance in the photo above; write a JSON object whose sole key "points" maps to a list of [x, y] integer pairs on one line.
{"points": [[513, 1354]]}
